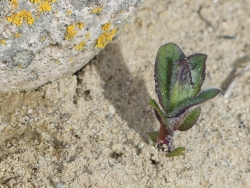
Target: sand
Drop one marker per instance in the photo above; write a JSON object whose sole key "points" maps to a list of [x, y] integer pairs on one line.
{"points": [[90, 129]]}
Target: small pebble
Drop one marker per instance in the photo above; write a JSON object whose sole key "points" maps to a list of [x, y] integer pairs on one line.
{"points": [[59, 185], [111, 109]]}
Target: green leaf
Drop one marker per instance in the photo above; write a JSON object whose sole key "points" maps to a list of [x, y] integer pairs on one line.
{"points": [[159, 111], [188, 102], [190, 119], [188, 75], [167, 55], [152, 138], [176, 152], [181, 86], [197, 64]]}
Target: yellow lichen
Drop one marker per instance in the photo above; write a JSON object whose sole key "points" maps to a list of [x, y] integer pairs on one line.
{"points": [[35, 1], [80, 25], [2, 42], [105, 38], [96, 10], [57, 61], [20, 17], [106, 26], [17, 35], [80, 45], [71, 32], [69, 12], [39, 1], [71, 59], [14, 3], [43, 38], [45, 6], [73, 29], [87, 35]]}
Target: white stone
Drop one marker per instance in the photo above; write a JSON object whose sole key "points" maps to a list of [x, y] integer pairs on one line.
{"points": [[111, 109], [42, 41]]}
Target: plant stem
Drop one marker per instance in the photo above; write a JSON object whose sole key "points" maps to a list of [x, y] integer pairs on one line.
{"points": [[165, 137], [162, 134]]}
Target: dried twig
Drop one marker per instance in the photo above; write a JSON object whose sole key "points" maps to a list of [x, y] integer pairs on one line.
{"points": [[208, 24], [236, 78]]}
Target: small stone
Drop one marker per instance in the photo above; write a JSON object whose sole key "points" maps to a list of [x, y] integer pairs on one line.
{"points": [[59, 185], [111, 109]]}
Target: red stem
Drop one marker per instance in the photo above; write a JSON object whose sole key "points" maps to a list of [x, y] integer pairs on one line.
{"points": [[162, 134]]}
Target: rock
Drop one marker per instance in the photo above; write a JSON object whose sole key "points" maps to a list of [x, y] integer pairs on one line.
{"points": [[42, 40]]}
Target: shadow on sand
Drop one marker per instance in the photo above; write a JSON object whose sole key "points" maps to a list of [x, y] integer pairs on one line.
{"points": [[125, 91]]}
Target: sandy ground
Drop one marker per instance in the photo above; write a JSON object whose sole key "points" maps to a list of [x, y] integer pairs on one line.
{"points": [[90, 129]]}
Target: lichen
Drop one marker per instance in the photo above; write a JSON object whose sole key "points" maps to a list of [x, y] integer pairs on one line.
{"points": [[20, 17], [80, 25], [105, 38], [45, 6], [17, 35], [3, 42], [106, 26], [14, 3], [87, 35], [72, 30], [35, 1], [69, 12], [97, 10], [43, 38], [80, 45]]}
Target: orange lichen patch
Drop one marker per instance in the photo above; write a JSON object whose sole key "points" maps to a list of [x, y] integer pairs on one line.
{"points": [[80, 45], [14, 3], [2, 42], [87, 35], [105, 38], [71, 32], [17, 35], [96, 10], [106, 26], [20, 17], [69, 12]]}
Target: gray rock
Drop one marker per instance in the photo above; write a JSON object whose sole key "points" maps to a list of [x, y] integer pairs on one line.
{"points": [[42, 40]]}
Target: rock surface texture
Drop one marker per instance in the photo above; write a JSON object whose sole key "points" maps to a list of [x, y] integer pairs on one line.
{"points": [[41, 40]]}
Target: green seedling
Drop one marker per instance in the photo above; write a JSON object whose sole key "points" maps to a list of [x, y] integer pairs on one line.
{"points": [[178, 81]]}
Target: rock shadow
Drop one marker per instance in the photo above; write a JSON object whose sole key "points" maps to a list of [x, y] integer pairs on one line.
{"points": [[125, 91]]}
